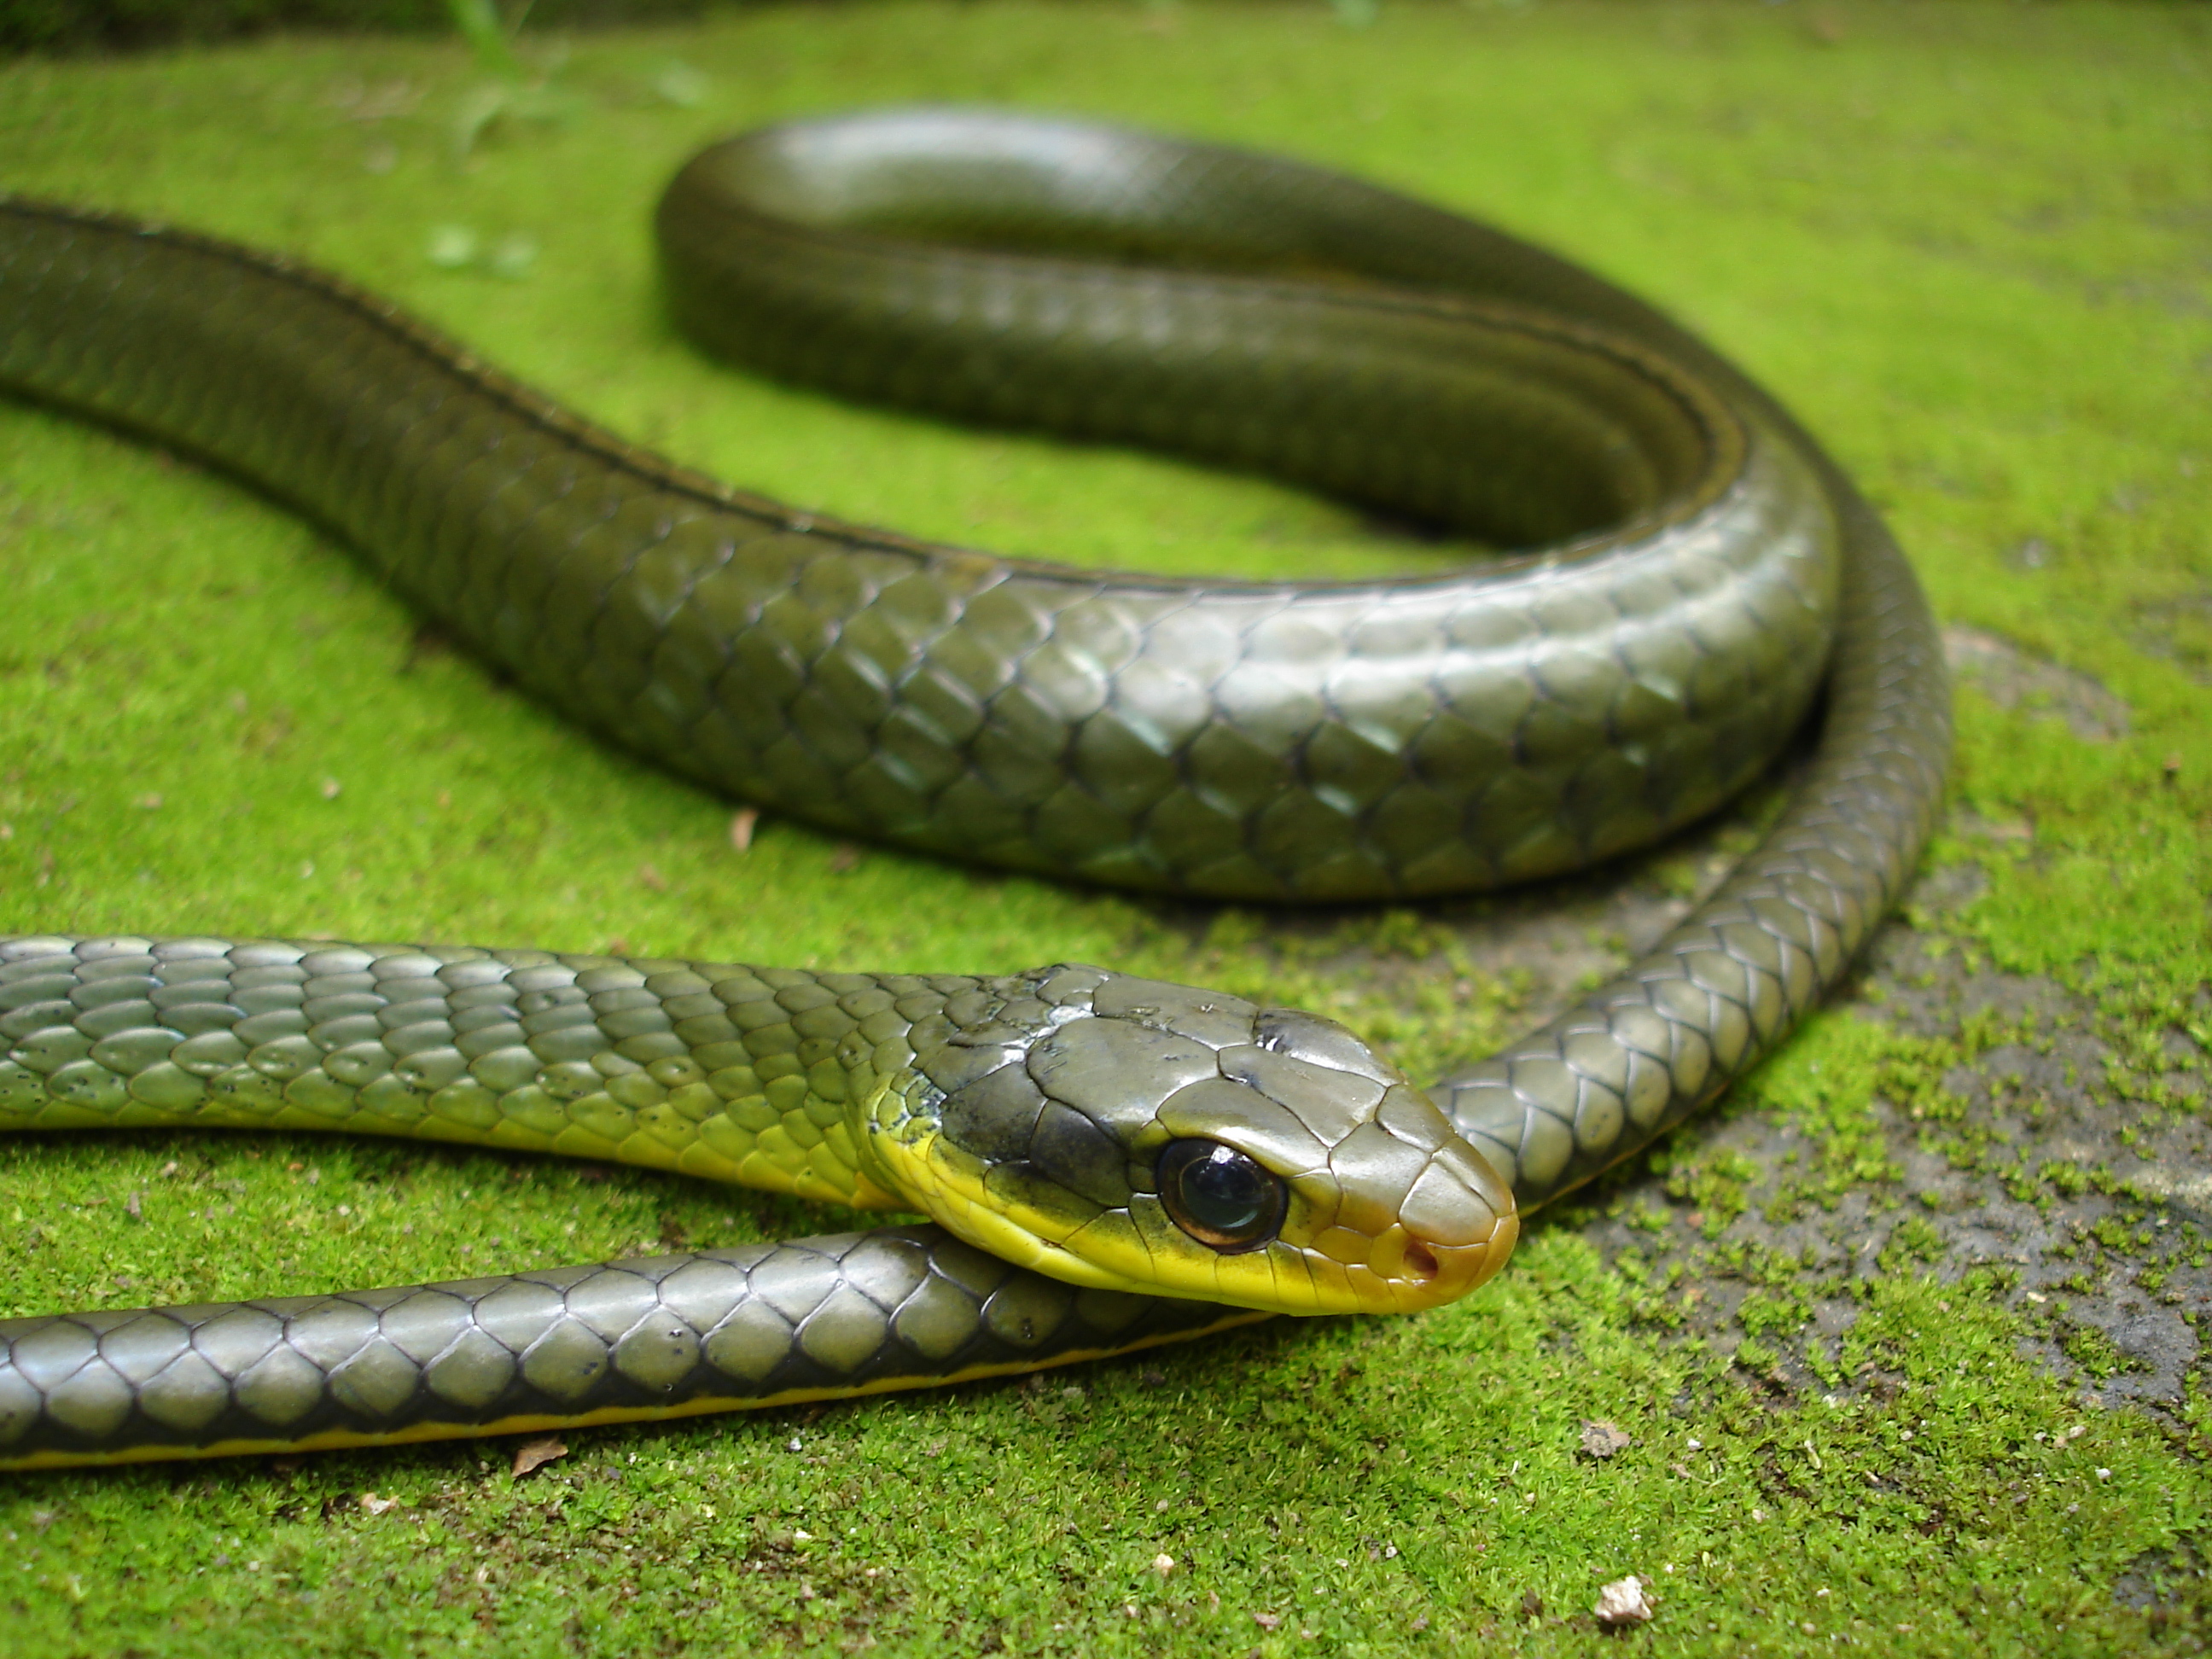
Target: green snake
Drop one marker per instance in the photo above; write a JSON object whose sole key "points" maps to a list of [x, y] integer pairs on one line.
{"points": [[1109, 1162]]}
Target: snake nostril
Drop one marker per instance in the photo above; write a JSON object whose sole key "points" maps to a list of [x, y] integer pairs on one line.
{"points": [[1420, 1262]]}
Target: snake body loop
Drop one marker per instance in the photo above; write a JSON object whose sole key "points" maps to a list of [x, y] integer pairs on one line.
{"points": [[1693, 553]]}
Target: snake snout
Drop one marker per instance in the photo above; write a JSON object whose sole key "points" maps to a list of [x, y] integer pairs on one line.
{"points": [[1435, 1217], [1460, 1224]]}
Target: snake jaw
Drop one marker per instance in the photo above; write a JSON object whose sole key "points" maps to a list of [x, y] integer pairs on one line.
{"points": [[1033, 1127]]}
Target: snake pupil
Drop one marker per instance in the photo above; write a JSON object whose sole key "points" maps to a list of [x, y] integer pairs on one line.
{"points": [[1220, 1196]]}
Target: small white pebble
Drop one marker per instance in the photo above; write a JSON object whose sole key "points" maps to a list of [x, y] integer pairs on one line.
{"points": [[1623, 1603], [451, 246], [2104, 1474], [792, 1444], [800, 1535], [1164, 1563], [1696, 1444]]}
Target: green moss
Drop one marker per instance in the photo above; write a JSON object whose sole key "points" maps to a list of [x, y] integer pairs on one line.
{"points": [[1968, 244], [78, 25]]}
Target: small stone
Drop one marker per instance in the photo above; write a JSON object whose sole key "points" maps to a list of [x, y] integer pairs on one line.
{"points": [[742, 823], [1164, 1563], [1623, 1603], [1603, 1439], [372, 1504], [451, 246]]}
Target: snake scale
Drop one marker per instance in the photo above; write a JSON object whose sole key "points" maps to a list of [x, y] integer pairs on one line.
{"points": [[1110, 1162]]}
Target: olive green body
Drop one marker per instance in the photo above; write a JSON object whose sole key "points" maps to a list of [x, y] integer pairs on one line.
{"points": [[1270, 740]]}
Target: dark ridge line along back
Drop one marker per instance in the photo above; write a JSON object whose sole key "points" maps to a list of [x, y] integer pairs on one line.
{"points": [[1695, 553]]}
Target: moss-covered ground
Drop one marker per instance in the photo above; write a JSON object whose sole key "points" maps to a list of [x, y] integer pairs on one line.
{"points": [[1903, 1339]]}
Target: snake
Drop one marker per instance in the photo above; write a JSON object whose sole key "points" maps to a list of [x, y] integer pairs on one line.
{"points": [[1105, 1162]]}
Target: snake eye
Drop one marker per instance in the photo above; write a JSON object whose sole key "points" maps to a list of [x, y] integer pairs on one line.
{"points": [[1220, 1196]]}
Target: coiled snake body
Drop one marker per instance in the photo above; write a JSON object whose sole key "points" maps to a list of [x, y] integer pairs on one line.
{"points": [[1110, 1162]]}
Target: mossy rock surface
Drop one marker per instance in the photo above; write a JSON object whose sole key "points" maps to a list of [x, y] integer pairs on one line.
{"points": [[1903, 1338]]}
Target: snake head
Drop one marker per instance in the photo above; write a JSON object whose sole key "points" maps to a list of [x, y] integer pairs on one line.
{"points": [[1140, 1136]]}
